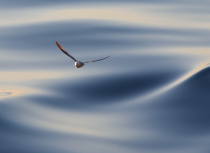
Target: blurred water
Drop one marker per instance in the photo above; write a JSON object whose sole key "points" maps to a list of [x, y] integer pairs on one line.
{"points": [[151, 95]]}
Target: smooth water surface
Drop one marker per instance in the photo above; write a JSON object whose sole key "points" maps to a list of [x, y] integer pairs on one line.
{"points": [[151, 96]]}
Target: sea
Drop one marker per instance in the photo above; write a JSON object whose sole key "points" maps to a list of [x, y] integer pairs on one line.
{"points": [[152, 95]]}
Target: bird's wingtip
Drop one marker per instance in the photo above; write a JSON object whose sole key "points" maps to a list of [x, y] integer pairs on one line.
{"points": [[58, 44]]}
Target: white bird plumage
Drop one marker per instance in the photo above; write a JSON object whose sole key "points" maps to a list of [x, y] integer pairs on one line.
{"points": [[78, 64]]}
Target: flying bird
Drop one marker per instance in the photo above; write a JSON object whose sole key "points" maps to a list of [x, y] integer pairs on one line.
{"points": [[78, 64]]}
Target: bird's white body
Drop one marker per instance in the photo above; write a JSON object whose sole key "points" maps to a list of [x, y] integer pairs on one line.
{"points": [[78, 64]]}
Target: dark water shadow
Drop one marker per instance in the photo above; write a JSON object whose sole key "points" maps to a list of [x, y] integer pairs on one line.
{"points": [[102, 90], [89, 35], [182, 111]]}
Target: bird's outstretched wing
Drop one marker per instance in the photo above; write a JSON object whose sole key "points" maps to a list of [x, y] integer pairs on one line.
{"points": [[96, 60], [64, 51]]}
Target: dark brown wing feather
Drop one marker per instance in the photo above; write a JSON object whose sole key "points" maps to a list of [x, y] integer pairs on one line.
{"points": [[64, 51], [96, 60]]}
